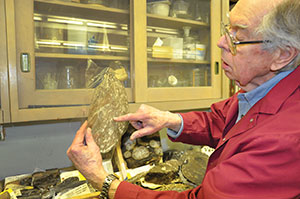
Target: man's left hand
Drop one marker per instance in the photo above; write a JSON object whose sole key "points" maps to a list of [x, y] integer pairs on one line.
{"points": [[86, 157]]}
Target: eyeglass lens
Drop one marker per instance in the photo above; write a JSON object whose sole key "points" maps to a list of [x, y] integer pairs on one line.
{"points": [[229, 40]]}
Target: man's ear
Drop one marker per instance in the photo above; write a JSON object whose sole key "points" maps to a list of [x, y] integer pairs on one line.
{"points": [[283, 57]]}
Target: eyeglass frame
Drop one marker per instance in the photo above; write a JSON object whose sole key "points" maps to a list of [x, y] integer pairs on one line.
{"points": [[234, 42]]}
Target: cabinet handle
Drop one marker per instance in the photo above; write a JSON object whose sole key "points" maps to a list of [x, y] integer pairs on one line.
{"points": [[216, 68], [25, 62]]}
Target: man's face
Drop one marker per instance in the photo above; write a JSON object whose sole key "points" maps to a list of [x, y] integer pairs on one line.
{"points": [[251, 66]]}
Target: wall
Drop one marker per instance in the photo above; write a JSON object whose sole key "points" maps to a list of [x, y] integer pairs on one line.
{"points": [[31, 146], [41, 146]]}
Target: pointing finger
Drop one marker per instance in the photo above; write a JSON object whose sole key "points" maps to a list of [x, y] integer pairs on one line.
{"points": [[128, 117]]}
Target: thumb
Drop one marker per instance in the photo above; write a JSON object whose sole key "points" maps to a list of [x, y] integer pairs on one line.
{"points": [[89, 139]]}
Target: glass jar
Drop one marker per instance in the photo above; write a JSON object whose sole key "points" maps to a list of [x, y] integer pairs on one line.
{"points": [[180, 9], [68, 78]]}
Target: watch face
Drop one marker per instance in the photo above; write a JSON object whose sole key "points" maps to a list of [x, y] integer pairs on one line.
{"points": [[109, 180]]}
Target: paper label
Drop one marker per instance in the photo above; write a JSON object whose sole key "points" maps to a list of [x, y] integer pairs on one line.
{"points": [[69, 174], [77, 191]]}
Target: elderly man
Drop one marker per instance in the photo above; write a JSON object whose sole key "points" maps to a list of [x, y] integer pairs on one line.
{"points": [[255, 133]]}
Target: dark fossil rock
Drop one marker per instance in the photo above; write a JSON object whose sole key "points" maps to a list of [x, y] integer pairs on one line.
{"points": [[43, 180], [45, 184], [142, 151], [68, 183], [163, 173], [31, 192], [193, 166], [109, 101], [181, 170]]}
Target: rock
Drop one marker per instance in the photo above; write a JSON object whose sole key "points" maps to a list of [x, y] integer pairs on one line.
{"points": [[139, 152], [109, 101], [193, 166], [163, 173]]}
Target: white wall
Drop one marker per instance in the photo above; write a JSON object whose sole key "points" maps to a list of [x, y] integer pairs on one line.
{"points": [[42, 146]]}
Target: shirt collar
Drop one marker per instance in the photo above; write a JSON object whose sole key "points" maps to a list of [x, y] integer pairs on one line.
{"points": [[258, 93]]}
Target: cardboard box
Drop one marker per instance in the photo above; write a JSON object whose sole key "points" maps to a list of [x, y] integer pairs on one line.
{"points": [[162, 52]]}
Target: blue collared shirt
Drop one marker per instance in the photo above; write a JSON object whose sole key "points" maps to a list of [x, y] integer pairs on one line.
{"points": [[246, 100]]}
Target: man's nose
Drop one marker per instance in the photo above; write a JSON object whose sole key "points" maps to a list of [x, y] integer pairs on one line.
{"points": [[222, 43]]}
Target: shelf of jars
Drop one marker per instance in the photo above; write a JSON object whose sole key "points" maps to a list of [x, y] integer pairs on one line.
{"points": [[180, 55], [70, 39], [79, 32]]}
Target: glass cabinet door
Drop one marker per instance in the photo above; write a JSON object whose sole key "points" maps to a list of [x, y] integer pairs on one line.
{"points": [[167, 48], [181, 49], [4, 96], [63, 45]]}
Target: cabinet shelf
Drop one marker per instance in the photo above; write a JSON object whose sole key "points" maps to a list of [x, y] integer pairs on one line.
{"points": [[75, 56], [178, 61], [79, 10], [172, 22]]}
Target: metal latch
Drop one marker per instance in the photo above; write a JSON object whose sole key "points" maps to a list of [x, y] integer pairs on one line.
{"points": [[25, 62]]}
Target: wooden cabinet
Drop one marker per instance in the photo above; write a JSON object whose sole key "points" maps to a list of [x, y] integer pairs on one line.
{"points": [[4, 97], [52, 44]]}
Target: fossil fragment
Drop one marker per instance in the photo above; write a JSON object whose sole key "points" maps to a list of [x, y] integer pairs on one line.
{"points": [[140, 153], [163, 173], [181, 170], [109, 100], [127, 154], [158, 151], [130, 144], [154, 143], [194, 166]]}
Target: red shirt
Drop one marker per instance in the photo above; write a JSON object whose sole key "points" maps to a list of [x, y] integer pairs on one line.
{"points": [[256, 158]]}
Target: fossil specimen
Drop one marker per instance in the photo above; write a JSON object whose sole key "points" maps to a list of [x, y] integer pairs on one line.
{"points": [[142, 151], [163, 173], [109, 101]]}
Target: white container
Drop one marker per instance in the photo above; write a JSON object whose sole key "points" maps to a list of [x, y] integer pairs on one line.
{"points": [[161, 8], [200, 52], [177, 44]]}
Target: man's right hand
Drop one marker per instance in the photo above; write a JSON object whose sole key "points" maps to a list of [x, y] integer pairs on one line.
{"points": [[148, 120]]}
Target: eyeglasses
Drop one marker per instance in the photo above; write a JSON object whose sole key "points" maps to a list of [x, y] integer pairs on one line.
{"points": [[233, 42]]}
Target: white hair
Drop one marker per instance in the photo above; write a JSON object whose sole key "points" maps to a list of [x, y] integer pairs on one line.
{"points": [[281, 26]]}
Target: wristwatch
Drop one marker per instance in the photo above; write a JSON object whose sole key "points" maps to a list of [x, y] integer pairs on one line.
{"points": [[106, 185]]}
